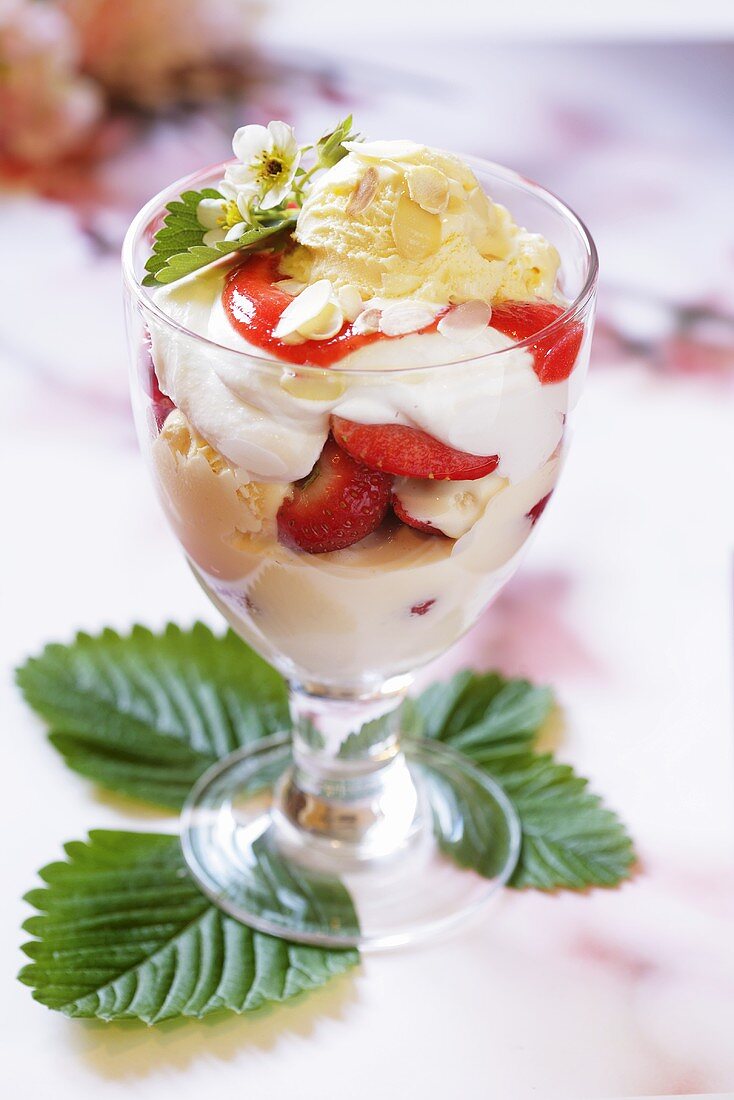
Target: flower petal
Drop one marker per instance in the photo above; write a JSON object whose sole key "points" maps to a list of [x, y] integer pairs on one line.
{"points": [[250, 142], [240, 176], [279, 191], [236, 231], [274, 196], [283, 138], [244, 204], [227, 189], [209, 212], [214, 236]]}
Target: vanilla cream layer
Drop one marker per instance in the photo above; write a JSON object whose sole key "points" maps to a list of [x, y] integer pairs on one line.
{"points": [[384, 606]]}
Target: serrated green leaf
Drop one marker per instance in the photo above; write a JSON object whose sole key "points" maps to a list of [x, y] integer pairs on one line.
{"points": [[145, 715], [330, 147], [123, 933], [483, 716], [179, 264], [179, 249], [569, 839]]}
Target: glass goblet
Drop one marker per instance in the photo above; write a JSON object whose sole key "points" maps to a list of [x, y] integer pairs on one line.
{"points": [[348, 829]]}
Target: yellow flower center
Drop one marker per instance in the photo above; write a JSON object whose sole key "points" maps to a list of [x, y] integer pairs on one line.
{"points": [[271, 167], [232, 215]]}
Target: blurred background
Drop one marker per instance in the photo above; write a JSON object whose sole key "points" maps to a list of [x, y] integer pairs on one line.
{"points": [[625, 110]]}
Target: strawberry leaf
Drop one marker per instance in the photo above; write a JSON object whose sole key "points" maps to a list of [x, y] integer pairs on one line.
{"points": [[179, 249], [569, 839], [146, 714], [122, 932]]}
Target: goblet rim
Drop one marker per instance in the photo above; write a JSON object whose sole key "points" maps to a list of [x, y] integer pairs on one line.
{"points": [[254, 356]]}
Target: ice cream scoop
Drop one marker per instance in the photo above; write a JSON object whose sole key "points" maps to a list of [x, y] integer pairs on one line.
{"points": [[396, 219]]}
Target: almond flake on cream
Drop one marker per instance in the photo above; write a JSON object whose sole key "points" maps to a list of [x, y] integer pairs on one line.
{"points": [[400, 318], [465, 321], [367, 322], [364, 192], [429, 187], [292, 287], [350, 301], [315, 314], [390, 151], [417, 234]]}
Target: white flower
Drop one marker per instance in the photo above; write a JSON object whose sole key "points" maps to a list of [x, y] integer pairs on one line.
{"points": [[224, 219], [269, 157]]}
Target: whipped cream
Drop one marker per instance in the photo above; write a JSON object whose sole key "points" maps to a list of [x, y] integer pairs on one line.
{"points": [[254, 415]]}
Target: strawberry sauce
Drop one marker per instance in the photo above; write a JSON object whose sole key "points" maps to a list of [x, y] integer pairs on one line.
{"points": [[254, 306]]}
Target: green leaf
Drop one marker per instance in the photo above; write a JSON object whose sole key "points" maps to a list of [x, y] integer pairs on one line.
{"points": [[122, 932], [330, 147], [146, 714], [178, 248], [484, 716], [366, 737], [569, 840]]}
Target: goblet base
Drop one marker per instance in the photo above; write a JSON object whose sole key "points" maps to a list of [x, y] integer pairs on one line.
{"points": [[456, 844]]}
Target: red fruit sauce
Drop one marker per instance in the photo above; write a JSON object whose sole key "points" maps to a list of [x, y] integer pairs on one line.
{"points": [[254, 306]]}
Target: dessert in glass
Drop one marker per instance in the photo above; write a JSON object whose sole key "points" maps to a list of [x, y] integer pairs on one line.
{"points": [[354, 422]]}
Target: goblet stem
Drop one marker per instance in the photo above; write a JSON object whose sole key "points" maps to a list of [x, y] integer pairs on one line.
{"points": [[349, 788]]}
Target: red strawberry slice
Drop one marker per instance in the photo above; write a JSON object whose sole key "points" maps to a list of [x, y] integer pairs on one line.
{"points": [[160, 402], [554, 355], [339, 503], [537, 510], [405, 517], [409, 451]]}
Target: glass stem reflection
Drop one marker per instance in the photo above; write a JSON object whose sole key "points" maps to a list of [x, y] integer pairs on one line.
{"points": [[349, 787]]}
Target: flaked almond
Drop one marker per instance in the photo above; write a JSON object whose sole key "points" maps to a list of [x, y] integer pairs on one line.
{"points": [[364, 192], [400, 318], [324, 386], [304, 314], [290, 286], [350, 301], [384, 150], [428, 187], [326, 325], [367, 322], [465, 321], [417, 234]]}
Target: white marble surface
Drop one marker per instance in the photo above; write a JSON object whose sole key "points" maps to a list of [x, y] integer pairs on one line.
{"points": [[624, 604]]}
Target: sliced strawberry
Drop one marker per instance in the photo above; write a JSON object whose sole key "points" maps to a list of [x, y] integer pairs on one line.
{"points": [[339, 503], [537, 510], [402, 513], [160, 403], [554, 355], [409, 452]]}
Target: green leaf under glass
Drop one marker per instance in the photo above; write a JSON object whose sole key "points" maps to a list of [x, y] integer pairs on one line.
{"points": [[145, 715], [122, 932]]}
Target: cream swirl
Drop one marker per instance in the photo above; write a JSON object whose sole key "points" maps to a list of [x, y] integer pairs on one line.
{"points": [[269, 421]]}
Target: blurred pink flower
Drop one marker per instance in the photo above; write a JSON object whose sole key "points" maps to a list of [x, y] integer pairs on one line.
{"points": [[157, 52], [46, 108]]}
